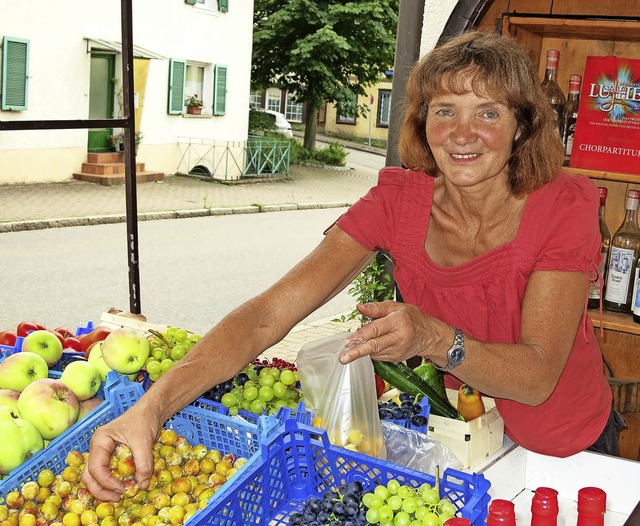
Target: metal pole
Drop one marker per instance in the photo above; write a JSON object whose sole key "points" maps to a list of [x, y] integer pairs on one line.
{"points": [[408, 39], [130, 156]]}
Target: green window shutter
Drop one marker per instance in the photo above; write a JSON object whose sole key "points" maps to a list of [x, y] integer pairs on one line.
{"points": [[223, 6], [15, 73], [190, 2], [177, 73], [220, 90]]}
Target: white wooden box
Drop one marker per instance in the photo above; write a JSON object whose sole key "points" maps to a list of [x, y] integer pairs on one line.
{"points": [[517, 474], [471, 442]]}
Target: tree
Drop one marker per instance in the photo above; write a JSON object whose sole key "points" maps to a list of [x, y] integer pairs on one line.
{"points": [[322, 50]]}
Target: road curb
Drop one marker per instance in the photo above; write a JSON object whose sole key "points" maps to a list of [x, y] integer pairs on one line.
{"points": [[63, 222]]}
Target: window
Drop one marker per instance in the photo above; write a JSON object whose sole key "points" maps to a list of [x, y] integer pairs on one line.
{"points": [[384, 107], [15, 73], [273, 99], [346, 112], [220, 90], [177, 73], [293, 111], [255, 99], [212, 5], [194, 82]]}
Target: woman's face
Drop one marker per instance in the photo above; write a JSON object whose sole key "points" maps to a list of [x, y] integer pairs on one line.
{"points": [[471, 137]]}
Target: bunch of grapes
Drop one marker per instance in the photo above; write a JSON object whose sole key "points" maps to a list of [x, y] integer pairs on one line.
{"points": [[184, 479], [406, 409], [258, 390], [166, 348], [337, 507], [404, 505]]}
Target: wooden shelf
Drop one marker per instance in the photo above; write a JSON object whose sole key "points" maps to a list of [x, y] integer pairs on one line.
{"points": [[614, 321], [592, 29], [605, 176]]}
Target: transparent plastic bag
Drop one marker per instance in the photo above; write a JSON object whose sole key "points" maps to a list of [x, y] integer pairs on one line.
{"points": [[415, 450], [342, 397]]}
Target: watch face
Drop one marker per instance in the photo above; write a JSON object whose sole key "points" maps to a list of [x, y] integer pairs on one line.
{"points": [[457, 355]]}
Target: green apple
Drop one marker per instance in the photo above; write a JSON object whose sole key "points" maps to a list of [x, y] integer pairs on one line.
{"points": [[31, 437], [18, 370], [88, 405], [83, 378], [9, 413], [44, 343], [97, 360], [125, 350], [13, 452], [50, 406], [9, 397]]}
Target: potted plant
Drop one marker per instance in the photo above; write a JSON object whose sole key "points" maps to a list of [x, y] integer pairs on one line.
{"points": [[194, 104], [117, 141]]}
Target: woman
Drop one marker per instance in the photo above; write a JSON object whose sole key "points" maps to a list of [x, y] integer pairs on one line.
{"points": [[493, 248]]}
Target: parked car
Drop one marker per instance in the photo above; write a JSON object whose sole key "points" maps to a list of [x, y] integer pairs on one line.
{"points": [[283, 126]]}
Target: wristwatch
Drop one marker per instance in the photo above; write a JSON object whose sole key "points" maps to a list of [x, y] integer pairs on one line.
{"points": [[456, 353]]}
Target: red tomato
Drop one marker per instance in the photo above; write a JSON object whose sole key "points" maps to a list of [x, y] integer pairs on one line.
{"points": [[59, 336], [71, 342], [40, 326], [8, 338], [26, 327], [96, 335], [66, 333], [380, 387]]}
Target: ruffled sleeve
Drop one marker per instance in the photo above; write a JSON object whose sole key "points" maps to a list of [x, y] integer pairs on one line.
{"points": [[568, 232], [372, 220]]}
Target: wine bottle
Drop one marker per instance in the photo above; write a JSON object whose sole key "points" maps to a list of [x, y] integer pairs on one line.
{"points": [[623, 258], [594, 288], [592, 505], [635, 297], [552, 90], [544, 507], [570, 116]]}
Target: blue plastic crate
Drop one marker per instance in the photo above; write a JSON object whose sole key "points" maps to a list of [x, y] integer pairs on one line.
{"points": [[300, 414], [84, 330], [6, 350], [298, 462], [197, 425]]}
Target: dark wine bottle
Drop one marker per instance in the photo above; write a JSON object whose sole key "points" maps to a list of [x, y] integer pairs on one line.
{"points": [[594, 288]]}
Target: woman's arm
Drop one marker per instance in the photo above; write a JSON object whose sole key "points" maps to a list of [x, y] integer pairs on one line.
{"points": [[526, 372], [233, 343]]}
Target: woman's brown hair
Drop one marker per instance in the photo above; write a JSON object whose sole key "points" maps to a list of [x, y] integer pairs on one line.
{"points": [[499, 69]]}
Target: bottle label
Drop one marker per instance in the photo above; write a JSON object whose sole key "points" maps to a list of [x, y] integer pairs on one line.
{"points": [[635, 298], [594, 287], [619, 275]]}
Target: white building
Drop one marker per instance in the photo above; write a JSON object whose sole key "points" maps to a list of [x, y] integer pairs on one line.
{"points": [[62, 60]]}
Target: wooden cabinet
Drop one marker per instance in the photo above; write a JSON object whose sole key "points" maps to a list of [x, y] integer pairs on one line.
{"points": [[580, 29]]}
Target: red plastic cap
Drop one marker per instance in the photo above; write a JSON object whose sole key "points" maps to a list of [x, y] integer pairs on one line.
{"points": [[501, 512], [458, 521], [545, 502], [602, 191], [633, 194], [592, 499], [553, 53], [575, 78]]}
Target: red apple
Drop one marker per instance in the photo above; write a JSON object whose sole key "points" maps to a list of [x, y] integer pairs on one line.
{"points": [[26, 327], [8, 338], [71, 342]]}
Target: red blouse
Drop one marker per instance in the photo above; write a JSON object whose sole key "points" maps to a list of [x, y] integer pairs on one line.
{"points": [[483, 297]]}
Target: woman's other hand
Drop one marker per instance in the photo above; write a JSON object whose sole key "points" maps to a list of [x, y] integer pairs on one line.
{"points": [[397, 331]]}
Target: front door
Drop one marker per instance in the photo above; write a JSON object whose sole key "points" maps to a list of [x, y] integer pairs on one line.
{"points": [[101, 99]]}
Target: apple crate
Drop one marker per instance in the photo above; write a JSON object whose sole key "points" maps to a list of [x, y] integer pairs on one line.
{"points": [[473, 441], [196, 424], [298, 462]]}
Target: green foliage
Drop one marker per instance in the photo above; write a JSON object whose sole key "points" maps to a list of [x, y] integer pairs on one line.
{"points": [[333, 155], [322, 50], [260, 121], [372, 285]]}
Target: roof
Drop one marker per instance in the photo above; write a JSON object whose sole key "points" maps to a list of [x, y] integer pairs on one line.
{"points": [[115, 46]]}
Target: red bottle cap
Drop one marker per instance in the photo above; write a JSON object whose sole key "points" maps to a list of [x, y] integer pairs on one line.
{"points": [[458, 521], [602, 191], [544, 506], [574, 83], [501, 512], [592, 499], [553, 57]]}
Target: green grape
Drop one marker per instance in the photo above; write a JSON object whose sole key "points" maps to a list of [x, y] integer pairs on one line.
{"points": [[246, 405], [446, 507], [372, 516], [402, 518], [393, 486], [395, 502], [154, 367], [287, 377], [421, 512], [250, 372], [265, 393], [430, 497], [431, 519], [229, 400], [409, 505], [177, 352], [233, 410], [385, 513], [257, 406], [250, 393], [382, 492], [180, 335], [444, 517], [406, 492], [266, 380], [166, 364], [366, 499], [375, 501], [273, 371], [280, 390]]}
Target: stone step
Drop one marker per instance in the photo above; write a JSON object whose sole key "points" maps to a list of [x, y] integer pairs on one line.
{"points": [[117, 178], [108, 168], [105, 157]]}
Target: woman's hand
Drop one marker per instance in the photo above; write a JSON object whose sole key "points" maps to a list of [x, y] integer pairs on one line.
{"points": [[398, 331], [134, 429]]}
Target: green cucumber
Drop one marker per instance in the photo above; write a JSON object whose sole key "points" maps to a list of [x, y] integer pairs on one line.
{"points": [[433, 376], [402, 377]]}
